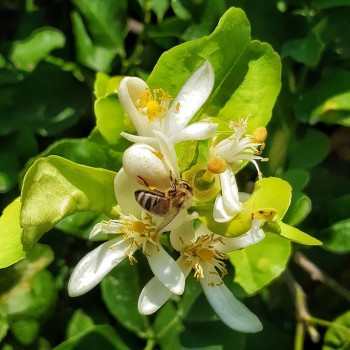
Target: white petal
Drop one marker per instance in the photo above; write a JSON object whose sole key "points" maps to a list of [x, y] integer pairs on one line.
{"points": [[196, 131], [230, 310], [95, 265], [141, 139], [165, 269], [230, 191], [106, 227], [191, 98], [143, 161], [167, 149], [153, 296], [182, 236], [220, 213], [124, 191]]}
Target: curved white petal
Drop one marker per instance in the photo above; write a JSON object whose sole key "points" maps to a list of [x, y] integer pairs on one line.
{"points": [[220, 212], [230, 191], [95, 265], [182, 236], [130, 89], [167, 149], [153, 296], [196, 131], [165, 269], [230, 310], [106, 227], [191, 98], [124, 191], [141, 139], [143, 161]]}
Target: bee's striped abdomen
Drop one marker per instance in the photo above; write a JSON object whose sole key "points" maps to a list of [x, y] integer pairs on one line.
{"points": [[154, 203]]}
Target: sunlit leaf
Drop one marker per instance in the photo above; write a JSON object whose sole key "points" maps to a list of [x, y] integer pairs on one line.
{"points": [[10, 238], [337, 336], [54, 188], [256, 266], [297, 236]]}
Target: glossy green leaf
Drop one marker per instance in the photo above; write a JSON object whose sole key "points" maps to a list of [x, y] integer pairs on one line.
{"points": [[110, 118], [120, 293], [55, 188], [297, 178], [99, 31], [97, 337], [337, 336], [336, 238], [327, 101], [27, 53], [79, 322], [295, 235], [105, 85], [304, 153], [11, 249], [255, 266], [247, 73]]}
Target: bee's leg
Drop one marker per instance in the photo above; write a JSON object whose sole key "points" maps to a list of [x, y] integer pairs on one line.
{"points": [[144, 182]]}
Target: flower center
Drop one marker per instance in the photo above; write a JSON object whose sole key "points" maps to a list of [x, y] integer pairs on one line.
{"points": [[140, 233], [205, 260], [153, 105]]}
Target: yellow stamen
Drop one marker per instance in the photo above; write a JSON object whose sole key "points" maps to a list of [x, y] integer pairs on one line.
{"points": [[138, 226], [217, 165], [260, 134], [205, 254], [153, 110]]}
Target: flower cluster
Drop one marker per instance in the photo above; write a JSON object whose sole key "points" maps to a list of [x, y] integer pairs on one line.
{"points": [[153, 200]]}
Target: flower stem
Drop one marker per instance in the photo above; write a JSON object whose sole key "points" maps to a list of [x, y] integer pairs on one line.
{"points": [[318, 275]]}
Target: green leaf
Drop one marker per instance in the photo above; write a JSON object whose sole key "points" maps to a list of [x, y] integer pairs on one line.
{"points": [[25, 330], [27, 53], [307, 50], [97, 337], [256, 267], [304, 153], [79, 322], [297, 236], [168, 326], [120, 293], [105, 85], [336, 238], [10, 237], [297, 178], [324, 4], [327, 101], [337, 336], [99, 31], [247, 73], [299, 209], [54, 188], [31, 293], [110, 118]]}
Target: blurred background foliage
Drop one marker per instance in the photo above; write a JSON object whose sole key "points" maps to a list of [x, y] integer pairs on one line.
{"points": [[50, 52]]}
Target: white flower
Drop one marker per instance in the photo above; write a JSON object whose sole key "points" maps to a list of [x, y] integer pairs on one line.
{"points": [[138, 230], [155, 110], [205, 252], [234, 150]]}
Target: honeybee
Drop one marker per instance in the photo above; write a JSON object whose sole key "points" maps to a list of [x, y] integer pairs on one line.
{"points": [[165, 204]]}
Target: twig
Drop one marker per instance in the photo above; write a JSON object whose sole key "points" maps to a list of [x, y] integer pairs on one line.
{"points": [[318, 275]]}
